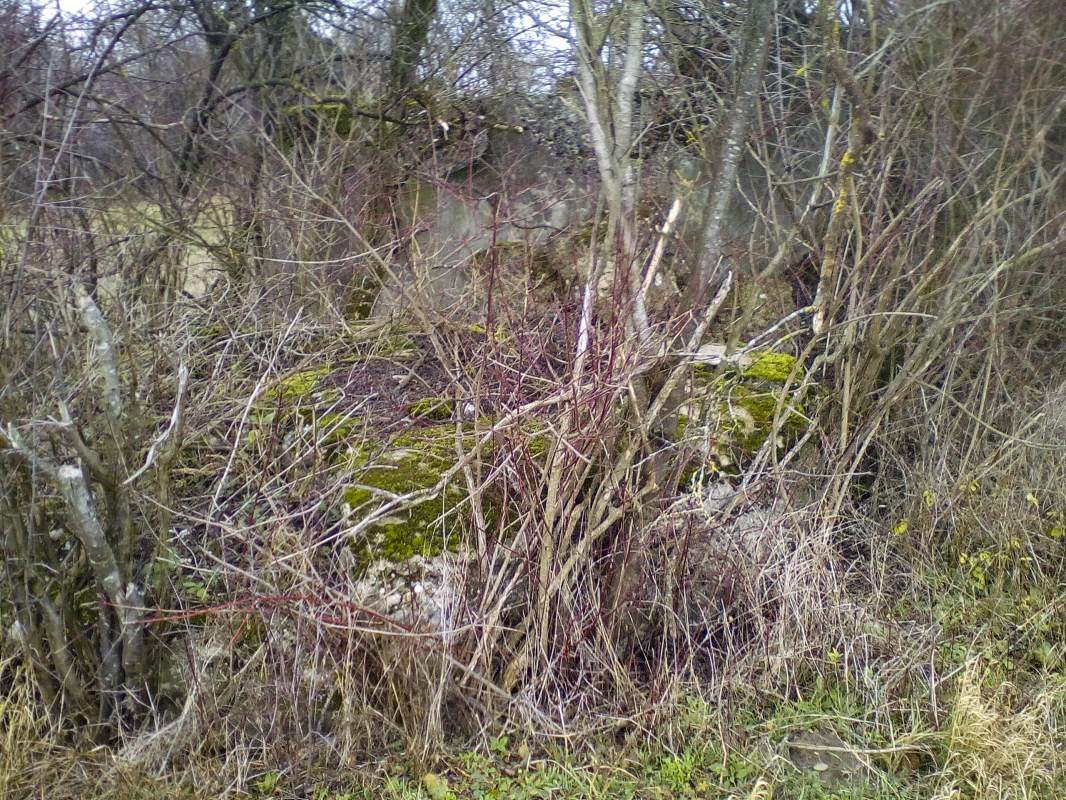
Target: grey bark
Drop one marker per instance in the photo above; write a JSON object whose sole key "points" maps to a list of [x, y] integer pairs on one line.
{"points": [[611, 114], [727, 151], [412, 30]]}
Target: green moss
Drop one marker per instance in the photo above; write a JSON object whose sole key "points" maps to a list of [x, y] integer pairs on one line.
{"points": [[439, 408], [539, 444], [766, 365], [704, 374], [297, 389], [363, 295], [737, 407], [770, 366], [395, 345], [421, 530], [211, 332], [411, 462], [749, 414], [295, 400], [334, 428]]}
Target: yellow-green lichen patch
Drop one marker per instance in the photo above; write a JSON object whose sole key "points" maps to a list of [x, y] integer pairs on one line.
{"points": [[439, 408], [770, 366], [333, 428], [736, 409], [412, 462], [303, 388]]}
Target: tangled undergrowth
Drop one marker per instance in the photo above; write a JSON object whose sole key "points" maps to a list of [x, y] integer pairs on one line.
{"points": [[916, 651], [583, 517]]}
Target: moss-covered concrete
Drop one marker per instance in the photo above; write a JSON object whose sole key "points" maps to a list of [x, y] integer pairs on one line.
{"points": [[734, 406], [769, 366], [411, 462], [731, 411], [302, 388], [436, 408]]}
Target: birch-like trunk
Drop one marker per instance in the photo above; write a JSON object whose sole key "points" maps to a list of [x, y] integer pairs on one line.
{"points": [[728, 150], [610, 112], [90, 475]]}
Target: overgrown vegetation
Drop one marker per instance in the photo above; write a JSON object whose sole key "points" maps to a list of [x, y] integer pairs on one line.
{"points": [[396, 404]]}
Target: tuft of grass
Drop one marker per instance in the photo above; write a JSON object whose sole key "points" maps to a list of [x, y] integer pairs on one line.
{"points": [[1005, 742], [24, 733]]}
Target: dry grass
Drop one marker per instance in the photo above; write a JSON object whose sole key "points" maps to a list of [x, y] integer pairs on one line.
{"points": [[894, 575], [1002, 744], [24, 734]]}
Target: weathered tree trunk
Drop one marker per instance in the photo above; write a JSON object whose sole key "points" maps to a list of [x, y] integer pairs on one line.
{"points": [[93, 483], [724, 149], [409, 39]]}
